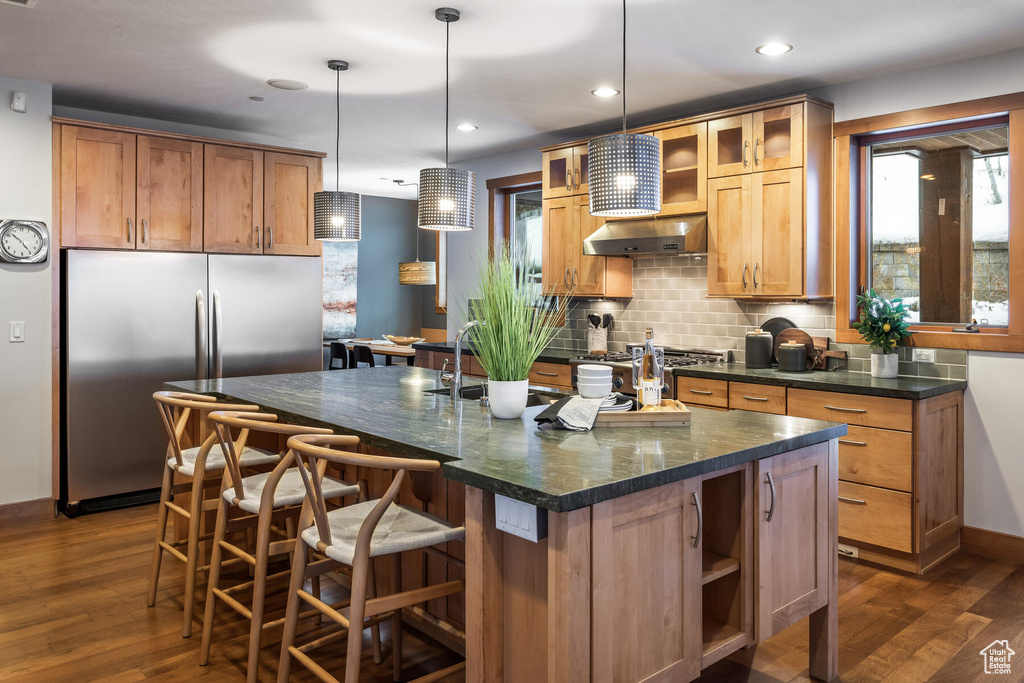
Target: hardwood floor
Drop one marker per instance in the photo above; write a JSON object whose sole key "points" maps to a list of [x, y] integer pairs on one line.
{"points": [[73, 591]]}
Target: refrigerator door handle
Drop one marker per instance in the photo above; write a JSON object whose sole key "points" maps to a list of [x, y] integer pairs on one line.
{"points": [[201, 357], [218, 350]]}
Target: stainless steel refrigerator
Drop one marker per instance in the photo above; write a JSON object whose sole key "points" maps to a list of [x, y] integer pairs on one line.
{"points": [[132, 321]]}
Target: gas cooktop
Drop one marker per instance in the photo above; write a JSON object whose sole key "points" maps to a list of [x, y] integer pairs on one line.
{"points": [[675, 356]]}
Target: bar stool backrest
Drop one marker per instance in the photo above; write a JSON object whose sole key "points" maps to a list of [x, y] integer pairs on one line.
{"points": [[314, 452], [175, 407]]}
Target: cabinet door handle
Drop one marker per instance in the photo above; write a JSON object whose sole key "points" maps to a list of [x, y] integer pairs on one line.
{"points": [[573, 277], [700, 521], [756, 266], [565, 278], [547, 374], [568, 180], [144, 236], [757, 143], [853, 443], [131, 230], [855, 501], [256, 229], [771, 485], [755, 398], [744, 276], [270, 237], [746, 146], [697, 391], [846, 410], [576, 178]]}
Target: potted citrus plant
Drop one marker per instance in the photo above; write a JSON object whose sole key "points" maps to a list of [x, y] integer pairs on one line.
{"points": [[520, 321], [883, 325]]}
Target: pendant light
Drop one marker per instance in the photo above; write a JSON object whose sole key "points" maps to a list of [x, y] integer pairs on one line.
{"points": [[336, 214], [624, 169], [416, 272], [447, 196]]}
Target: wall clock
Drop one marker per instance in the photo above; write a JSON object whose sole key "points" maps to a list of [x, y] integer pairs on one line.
{"points": [[23, 241]]}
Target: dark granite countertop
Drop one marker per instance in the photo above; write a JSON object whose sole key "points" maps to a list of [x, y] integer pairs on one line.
{"points": [[822, 380], [562, 356], [388, 407]]}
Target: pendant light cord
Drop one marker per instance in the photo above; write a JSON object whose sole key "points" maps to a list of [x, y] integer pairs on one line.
{"points": [[623, 67], [337, 130], [447, 42]]}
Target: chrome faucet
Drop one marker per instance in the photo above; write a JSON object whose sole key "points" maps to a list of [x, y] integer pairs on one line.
{"points": [[456, 386]]}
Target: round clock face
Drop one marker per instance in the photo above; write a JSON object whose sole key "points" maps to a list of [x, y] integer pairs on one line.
{"points": [[23, 241]]}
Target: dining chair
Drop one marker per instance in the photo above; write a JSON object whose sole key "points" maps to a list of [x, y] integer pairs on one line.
{"points": [[339, 354], [196, 468], [360, 354], [257, 502], [353, 536]]}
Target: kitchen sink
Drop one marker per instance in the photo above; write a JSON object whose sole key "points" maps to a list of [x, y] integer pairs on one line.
{"points": [[474, 392]]}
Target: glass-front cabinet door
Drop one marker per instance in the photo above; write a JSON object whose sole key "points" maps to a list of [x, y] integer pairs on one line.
{"points": [[778, 138], [729, 143], [557, 174], [684, 164]]}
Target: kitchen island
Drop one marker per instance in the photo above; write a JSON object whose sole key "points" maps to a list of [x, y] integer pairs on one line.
{"points": [[666, 549]]}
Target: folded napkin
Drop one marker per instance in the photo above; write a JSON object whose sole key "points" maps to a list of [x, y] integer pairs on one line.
{"points": [[574, 413]]}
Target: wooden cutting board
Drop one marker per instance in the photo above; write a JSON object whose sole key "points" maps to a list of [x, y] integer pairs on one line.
{"points": [[796, 336]]}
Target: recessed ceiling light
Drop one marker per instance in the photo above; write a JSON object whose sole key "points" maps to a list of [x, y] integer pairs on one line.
{"points": [[256, 98], [466, 127], [774, 49], [286, 84], [605, 92]]}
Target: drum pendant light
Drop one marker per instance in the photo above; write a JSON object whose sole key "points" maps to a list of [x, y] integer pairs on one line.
{"points": [[447, 196], [624, 169], [336, 214], [416, 272]]}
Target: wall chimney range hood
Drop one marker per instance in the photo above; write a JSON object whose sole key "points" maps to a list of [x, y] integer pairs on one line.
{"points": [[676, 235]]}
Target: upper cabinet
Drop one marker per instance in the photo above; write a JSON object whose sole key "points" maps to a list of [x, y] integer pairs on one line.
{"points": [[565, 268], [565, 172], [763, 140], [120, 188], [729, 141], [684, 169]]}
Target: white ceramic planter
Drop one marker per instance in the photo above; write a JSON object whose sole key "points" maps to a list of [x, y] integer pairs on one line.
{"points": [[507, 399], [885, 365]]}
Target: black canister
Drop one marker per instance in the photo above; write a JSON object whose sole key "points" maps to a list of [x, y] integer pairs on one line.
{"points": [[759, 349], [792, 357]]}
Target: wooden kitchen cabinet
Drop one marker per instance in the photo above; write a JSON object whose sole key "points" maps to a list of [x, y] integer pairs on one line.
{"points": [[684, 169], [778, 138], [567, 222], [729, 142], [794, 543], [233, 200], [565, 172], [729, 236], [289, 182], [169, 201], [97, 188]]}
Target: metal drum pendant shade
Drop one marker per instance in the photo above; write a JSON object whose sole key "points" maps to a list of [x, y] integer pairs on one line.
{"points": [[447, 199], [624, 175], [336, 216]]}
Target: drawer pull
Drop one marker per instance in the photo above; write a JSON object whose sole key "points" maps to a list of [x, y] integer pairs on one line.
{"points": [[698, 391], [853, 443], [755, 398], [547, 374], [855, 501], [846, 410]]}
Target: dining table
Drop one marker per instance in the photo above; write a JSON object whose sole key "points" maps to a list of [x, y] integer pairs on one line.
{"points": [[380, 347]]}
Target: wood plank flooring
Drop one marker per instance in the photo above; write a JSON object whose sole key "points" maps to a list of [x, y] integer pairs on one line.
{"points": [[73, 608]]}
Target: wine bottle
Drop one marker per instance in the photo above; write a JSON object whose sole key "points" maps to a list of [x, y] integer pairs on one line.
{"points": [[650, 374]]}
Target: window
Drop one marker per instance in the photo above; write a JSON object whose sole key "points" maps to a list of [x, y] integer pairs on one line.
{"points": [[928, 210], [939, 224], [527, 230]]}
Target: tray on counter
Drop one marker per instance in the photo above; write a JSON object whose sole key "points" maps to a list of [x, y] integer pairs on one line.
{"points": [[650, 418]]}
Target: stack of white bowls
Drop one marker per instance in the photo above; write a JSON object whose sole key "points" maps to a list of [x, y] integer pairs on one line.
{"points": [[594, 381]]}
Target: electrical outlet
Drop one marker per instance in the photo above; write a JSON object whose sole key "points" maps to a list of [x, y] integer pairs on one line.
{"points": [[848, 550], [17, 334], [924, 356]]}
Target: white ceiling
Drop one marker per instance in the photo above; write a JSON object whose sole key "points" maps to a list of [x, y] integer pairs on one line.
{"points": [[522, 70]]}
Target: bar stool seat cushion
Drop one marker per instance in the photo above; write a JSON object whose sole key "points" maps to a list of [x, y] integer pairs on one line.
{"points": [[215, 460], [290, 490], [400, 529]]}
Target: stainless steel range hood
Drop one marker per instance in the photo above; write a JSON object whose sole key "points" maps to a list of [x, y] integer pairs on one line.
{"points": [[676, 235]]}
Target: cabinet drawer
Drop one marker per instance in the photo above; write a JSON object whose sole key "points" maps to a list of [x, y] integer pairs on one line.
{"points": [[760, 398], [551, 374], [877, 516], [470, 366], [878, 457], [868, 411], [702, 392]]}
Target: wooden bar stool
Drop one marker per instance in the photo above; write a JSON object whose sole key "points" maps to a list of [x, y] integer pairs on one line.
{"points": [[352, 536], [202, 465], [266, 498]]}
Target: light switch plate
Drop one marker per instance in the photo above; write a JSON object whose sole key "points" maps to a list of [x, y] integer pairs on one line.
{"points": [[520, 519], [17, 334], [924, 356]]}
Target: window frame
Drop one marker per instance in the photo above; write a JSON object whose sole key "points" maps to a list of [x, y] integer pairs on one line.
{"points": [[499, 207], [851, 255]]}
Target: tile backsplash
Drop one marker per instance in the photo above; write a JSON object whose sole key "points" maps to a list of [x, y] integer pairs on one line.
{"points": [[670, 295]]}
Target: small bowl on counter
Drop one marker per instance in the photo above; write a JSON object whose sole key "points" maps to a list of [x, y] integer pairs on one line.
{"points": [[592, 388], [403, 341]]}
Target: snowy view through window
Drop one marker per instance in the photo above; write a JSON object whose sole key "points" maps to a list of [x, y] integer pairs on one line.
{"points": [[898, 193]]}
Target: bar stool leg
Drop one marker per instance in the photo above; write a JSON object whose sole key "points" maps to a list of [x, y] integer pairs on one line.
{"points": [[194, 529], [161, 532], [259, 590], [396, 620], [214, 581], [357, 611], [378, 654], [291, 617]]}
